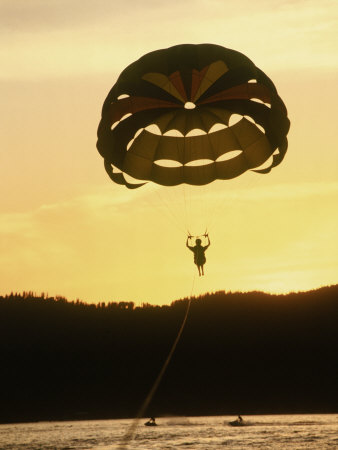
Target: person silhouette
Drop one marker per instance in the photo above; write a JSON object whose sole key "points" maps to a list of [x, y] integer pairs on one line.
{"points": [[199, 253], [151, 422]]}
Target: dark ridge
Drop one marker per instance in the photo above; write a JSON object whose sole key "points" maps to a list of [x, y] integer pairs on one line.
{"points": [[249, 353]]}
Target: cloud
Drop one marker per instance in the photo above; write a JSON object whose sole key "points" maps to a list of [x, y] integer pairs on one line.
{"points": [[63, 37], [65, 246], [36, 15], [250, 189], [292, 191], [105, 208], [122, 244]]}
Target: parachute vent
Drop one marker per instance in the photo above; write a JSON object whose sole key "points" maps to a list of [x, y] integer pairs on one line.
{"points": [[189, 105]]}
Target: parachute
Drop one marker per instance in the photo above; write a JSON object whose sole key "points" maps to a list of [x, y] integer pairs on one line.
{"points": [[191, 114]]}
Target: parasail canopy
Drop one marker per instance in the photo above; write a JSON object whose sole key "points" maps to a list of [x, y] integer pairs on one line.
{"points": [[191, 114]]}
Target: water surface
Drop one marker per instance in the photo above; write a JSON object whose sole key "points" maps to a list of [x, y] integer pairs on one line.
{"points": [[200, 433]]}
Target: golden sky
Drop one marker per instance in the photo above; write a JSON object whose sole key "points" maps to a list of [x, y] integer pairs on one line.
{"points": [[66, 229]]}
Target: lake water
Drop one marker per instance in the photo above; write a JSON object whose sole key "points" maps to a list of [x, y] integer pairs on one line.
{"points": [[201, 433]]}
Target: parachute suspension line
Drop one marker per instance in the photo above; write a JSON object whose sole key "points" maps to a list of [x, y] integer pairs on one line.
{"points": [[194, 205], [207, 209], [188, 188], [175, 219], [211, 203], [199, 198], [132, 429], [185, 200], [218, 210], [185, 209], [174, 200]]}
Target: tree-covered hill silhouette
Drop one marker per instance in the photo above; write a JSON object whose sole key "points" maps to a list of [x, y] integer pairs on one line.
{"points": [[239, 352]]}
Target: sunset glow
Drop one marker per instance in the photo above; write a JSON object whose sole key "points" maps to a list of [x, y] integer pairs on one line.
{"points": [[66, 229]]}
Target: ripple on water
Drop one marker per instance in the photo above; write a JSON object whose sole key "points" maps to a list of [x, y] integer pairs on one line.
{"points": [[267, 432]]}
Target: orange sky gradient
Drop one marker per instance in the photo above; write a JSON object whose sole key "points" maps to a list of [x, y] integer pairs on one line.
{"points": [[66, 229]]}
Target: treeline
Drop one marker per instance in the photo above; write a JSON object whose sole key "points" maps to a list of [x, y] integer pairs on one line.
{"points": [[239, 353]]}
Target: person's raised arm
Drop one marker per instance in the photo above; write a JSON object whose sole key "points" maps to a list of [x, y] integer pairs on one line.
{"points": [[187, 242]]}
